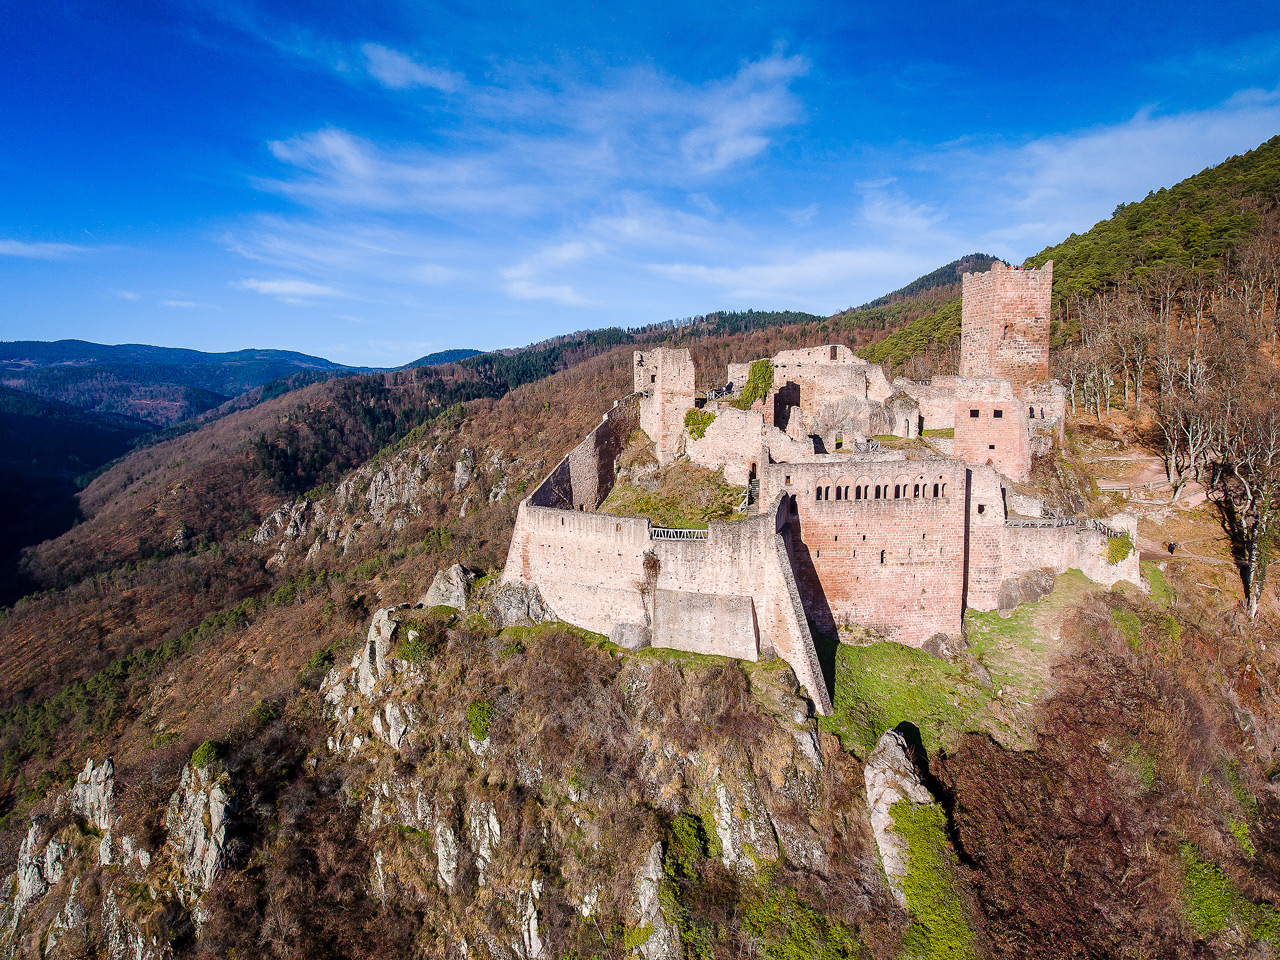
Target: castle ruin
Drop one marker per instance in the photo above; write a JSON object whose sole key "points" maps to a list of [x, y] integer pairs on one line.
{"points": [[839, 529]]}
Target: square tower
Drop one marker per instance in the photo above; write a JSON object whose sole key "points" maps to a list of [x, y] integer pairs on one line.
{"points": [[664, 378], [1004, 329]]}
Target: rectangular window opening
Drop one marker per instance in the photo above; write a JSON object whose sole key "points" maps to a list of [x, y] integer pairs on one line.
{"points": [[973, 414], [998, 414]]}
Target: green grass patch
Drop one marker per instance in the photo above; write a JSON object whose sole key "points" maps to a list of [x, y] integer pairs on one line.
{"points": [[696, 422], [944, 432], [759, 383], [479, 716], [789, 929], [1143, 762], [1130, 627], [939, 928], [1213, 903], [880, 685], [204, 755], [1161, 592]]}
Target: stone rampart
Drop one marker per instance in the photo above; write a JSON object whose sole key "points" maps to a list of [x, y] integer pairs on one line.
{"points": [[664, 379], [583, 479], [878, 542], [727, 594], [733, 441]]}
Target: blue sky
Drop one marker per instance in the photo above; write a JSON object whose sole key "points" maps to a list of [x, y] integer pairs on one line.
{"points": [[372, 182]]}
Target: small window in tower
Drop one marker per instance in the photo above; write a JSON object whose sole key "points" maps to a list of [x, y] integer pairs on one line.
{"points": [[991, 446], [833, 353], [1031, 412], [653, 378], [788, 479], [973, 414], [837, 538], [882, 556], [982, 508], [998, 414]]}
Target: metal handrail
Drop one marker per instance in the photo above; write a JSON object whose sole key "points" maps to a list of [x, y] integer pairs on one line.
{"points": [[676, 533]]}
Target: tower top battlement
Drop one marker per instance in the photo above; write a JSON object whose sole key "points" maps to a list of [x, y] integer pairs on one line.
{"points": [[1005, 324]]}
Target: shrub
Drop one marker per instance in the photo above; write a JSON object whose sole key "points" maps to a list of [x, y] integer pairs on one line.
{"points": [[205, 754], [479, 715], [791, 930], [1119, 548], [1213, 903], [1130, 627], [759, 383], [696, 422]]}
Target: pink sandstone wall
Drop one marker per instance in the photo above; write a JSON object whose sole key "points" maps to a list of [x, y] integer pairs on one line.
{"points": [[732, 594], [734, 441], [895, 564], [1005, 324], [991, 427]]}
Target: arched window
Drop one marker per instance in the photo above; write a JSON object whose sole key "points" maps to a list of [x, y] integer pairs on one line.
{"points": [[944, 489], [935, 489], [839, 494], [897, 491], [817, 494], [877, 491], [882, 556], [826, 493], [1031, 412], [846, 491], [915, 491]]}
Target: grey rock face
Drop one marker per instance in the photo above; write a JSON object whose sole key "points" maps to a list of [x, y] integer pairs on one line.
{"points": [[891, 777], [93, 792], [31, 882], [446, 845], [630, 636], [1028, 588], [197, 820], [463, 471], [519, 603], [371, 662], [664, 939], [449, 588]]}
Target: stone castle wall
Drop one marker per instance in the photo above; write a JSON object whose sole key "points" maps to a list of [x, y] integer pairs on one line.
{"points": [[583, 479], [1005, 324], [732, 594], [991, 427], [664, 379], [895, 563]]}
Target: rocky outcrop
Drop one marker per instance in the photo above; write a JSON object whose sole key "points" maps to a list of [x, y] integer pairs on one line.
{"points": [[93, 793], [1027, 588], [661, 939], [891, 776], [516, 603], [372, 662], [197, 822], [449, 588]]}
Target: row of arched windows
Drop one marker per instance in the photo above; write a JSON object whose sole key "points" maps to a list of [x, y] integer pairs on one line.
{"points": [[914, 490]]}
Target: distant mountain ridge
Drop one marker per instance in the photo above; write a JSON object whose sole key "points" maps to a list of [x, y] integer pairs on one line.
{"points": [[441, 356], [945, 275]]}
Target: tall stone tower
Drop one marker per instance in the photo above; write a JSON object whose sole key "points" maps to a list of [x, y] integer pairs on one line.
{"points": [[664, 379], [1004, 330]]}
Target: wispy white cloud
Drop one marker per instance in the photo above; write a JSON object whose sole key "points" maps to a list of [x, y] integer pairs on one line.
{"points": [[1026, 196], [182, 304], [398, 71], [39, 250], [290, 291], [131, 295]]}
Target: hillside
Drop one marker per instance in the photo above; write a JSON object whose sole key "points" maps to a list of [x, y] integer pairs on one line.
{"points": [[308, 757], [1173, 236], [44, 447], [496, 774]]}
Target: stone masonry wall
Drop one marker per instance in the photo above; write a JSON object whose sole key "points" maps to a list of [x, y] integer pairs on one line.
{"points": [[734, 441], [895, 564], [583, 479], [664, 379], [731, 594], [1005, 324], [991, 427]]}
